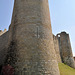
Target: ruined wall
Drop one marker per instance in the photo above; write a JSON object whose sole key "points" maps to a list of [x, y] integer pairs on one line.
{"points": [[3, 46], [65, 49], [56, 47]]}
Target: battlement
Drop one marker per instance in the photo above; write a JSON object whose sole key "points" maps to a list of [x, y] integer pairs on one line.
{"points": [[54, 37], [2, 32], [62, 33]]}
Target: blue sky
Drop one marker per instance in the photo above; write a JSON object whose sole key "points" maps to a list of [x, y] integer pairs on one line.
{"points": [[62, 13]]}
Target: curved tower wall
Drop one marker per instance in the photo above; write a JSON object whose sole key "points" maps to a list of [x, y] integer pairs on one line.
{"points": [[65, 49], [31, 48]]}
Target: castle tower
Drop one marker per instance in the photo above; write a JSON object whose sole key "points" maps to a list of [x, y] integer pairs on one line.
{"points": [[65, 49], [31, 48]]}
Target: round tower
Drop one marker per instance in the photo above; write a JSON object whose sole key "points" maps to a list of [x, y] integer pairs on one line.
{"points": [[31, 49], [66, 50]]}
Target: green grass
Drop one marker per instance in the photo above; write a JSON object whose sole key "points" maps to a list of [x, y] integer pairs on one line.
{"points": [[66, 70]]}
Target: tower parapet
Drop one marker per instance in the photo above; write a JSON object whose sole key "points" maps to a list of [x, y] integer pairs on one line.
{"points": [[65, 49]]}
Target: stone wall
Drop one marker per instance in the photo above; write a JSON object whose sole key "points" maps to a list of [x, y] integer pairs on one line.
{"points": [[31, 39], [56, 47], [29, 46], [65, 49], [3, 46]]}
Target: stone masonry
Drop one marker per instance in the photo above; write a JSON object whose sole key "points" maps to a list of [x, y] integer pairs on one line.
{"points": [[56, 47], [65, 49], [29, 45], [3, 46]]}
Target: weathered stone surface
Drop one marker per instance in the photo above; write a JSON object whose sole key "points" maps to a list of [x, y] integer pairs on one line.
{"points": [[65, 49], [29, 46], [33, 47], [56, 47], [3, 47]]}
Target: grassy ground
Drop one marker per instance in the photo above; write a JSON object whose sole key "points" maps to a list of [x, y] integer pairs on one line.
{"points": [[66, 70]]}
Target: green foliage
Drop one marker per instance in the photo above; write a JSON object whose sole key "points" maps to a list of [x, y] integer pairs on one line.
{"points": [[66, 70]]}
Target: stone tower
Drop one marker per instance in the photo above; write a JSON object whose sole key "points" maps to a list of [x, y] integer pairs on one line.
{"points": [[65, 49], [31, 49]]}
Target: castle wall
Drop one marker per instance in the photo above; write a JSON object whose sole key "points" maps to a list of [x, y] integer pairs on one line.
{"points": [[31, 43], [65, 49], [56, 47], [3, 46], [29, 46]]}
